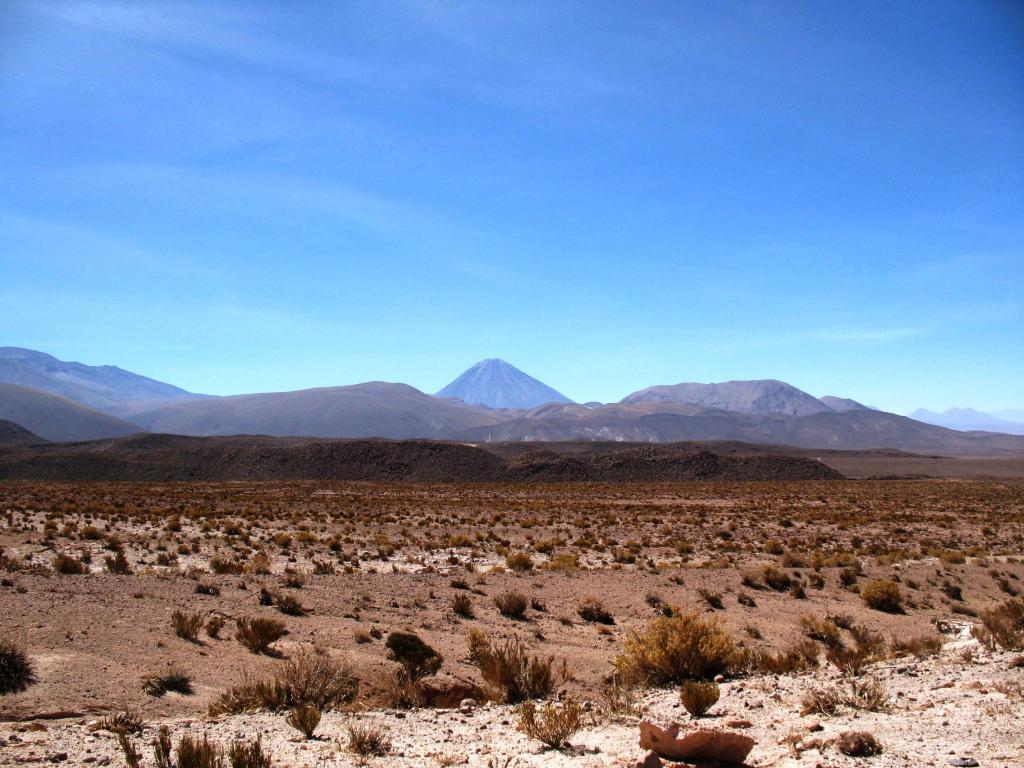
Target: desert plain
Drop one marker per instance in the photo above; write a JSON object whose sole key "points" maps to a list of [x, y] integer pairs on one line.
{"points": [[433, 624]]}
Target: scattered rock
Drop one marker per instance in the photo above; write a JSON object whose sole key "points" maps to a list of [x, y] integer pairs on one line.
{"points": [[702, 745], [651, 760]]}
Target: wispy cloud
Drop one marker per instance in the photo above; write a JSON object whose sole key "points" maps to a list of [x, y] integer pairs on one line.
{"points": [[475, 52], [869, 334]]}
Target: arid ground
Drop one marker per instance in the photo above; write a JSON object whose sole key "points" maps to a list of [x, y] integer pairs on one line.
{"points": [[882, 606]]}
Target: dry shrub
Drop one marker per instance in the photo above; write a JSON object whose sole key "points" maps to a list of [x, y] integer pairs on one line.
{"points": [[512, 605], [249, 754], [564, 562], [368, 740], [873, 644], [592, 609], [258, 634], [551, 724], [849, 661], [1002, 626], [16, 673], [310, 677], [289, 605], [69, 566], [866, 694], [511, 675], [858, 744], [162, 748], [713, 599], [304, 718], [883, 595], [797, 658], [921, 646], [224, 567], [187, 625], [172, 681], [775, 578], [118, 564], [677, 648], [619, 697], [214, 625], [462, 606], [822, 630], [699, 697], [126, 722], [520, 562], [193, 753], [132, 756], [418, 659]]}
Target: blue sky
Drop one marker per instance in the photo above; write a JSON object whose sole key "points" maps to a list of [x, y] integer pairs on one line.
{"points": [[252, 196]]}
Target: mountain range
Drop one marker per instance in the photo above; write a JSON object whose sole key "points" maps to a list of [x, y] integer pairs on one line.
{"points": [[106, 388], [970, 420], [490, 402]]}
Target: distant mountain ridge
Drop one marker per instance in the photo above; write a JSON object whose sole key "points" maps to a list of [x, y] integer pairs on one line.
{"points": [[491, 402], [758, 397], [968, 420], [106, 388], [843, 404], [497, 384], [373, 409]]}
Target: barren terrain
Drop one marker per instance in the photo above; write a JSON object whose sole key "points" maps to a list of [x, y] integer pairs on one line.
{"points": [[785, 571]]}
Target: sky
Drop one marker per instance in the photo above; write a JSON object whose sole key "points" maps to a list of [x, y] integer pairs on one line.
{"points": [[256, 196]]}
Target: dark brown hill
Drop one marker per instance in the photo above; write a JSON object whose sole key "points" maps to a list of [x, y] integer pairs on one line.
{"points": [[175, 458], [15, 434], [57, 418]]}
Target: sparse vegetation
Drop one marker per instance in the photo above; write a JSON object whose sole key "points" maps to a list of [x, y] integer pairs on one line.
{"points": [[69, 566], [1003, 626], [510, 673], [670, 650], [593, 610], [368, 739], [883, 595], [16, 672], [309, 678], [698, 697], [258, 634], [249, 754], [304, 718], [512, 605], [858, 744], [124, 722], [187, 625], [172, 681], [950, 551], [551, 724], [860, 694], [462, 606]]}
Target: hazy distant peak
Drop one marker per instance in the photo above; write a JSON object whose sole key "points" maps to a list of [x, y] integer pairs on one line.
{"points": [[968, 420], [107, 388], [497, 384]]}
